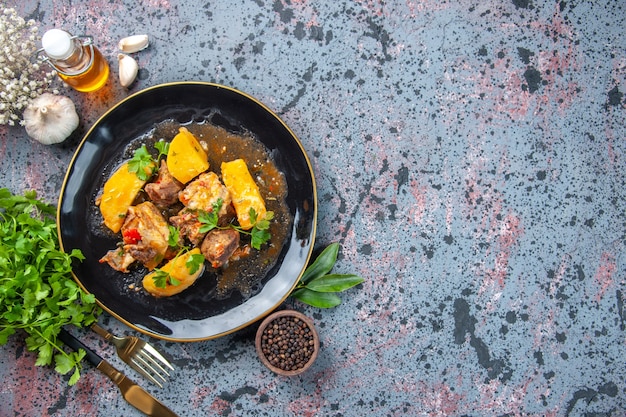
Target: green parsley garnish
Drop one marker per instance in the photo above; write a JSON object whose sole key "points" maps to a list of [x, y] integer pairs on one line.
{"points": [[174, 236], [37, 292], [141, 162], [209, 219], [163, 147], [194, 263], [162, 278], [259, 233]]}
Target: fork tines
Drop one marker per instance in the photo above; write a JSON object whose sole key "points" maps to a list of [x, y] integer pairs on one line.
{"points": [[150, 363], [140, 355]]}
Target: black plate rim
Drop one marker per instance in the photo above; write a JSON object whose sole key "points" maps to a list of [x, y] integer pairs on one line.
{"points": [[271, 113]]}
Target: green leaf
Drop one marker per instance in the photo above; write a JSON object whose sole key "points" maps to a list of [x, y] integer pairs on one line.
{"points": [[75, 376], [163, 147], [194, 263], [334, 282], [44, 357], [5, 333], [64, 363], [259, 237], [140, 161], [252, 214], [323, 264], [210, 219], [317, 299], [160, 278], [173, 237]]}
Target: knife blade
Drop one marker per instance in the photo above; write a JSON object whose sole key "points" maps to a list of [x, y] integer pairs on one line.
{"points": [[132, 393]]}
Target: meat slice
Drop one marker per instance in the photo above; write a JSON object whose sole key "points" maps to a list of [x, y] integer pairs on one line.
{"points": [[150, 234], [203, 192], [219, 245], [164, 190], [189, 226], [118, 259]]}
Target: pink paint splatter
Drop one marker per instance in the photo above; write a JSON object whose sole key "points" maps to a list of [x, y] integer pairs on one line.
{"points": [[419, 7], [220, 406], [604, 274], [418, 209], [498, 399], [438, 399], [307, 406], [200, 393]]}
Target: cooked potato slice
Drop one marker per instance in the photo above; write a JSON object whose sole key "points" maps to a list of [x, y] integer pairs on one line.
{"points": [[117, 195], [243, 191], [186, 159], [176, 268]]}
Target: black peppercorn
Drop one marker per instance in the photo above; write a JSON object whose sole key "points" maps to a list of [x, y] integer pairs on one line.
{"points": [[287, 343]]}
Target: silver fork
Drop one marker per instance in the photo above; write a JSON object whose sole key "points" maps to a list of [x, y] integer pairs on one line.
{"points": [[141, 356]]}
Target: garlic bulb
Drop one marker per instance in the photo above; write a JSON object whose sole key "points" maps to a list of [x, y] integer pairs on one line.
{"points": [[133, 43], [50, 118], [128, 69]]}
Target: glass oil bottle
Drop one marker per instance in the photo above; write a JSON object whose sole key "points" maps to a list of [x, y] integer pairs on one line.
{"points": [[75, 59]]}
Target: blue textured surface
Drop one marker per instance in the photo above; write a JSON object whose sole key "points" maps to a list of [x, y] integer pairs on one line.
{"points": [[469, 157]]}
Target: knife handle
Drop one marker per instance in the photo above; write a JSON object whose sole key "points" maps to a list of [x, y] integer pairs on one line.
{"points": [[132, 393], [67, 338]]}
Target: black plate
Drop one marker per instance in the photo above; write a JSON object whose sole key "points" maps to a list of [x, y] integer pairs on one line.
{"points": [[191, 315]]}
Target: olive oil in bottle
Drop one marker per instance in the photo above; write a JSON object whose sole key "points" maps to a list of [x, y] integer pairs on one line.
{"points": [[75, 59]]}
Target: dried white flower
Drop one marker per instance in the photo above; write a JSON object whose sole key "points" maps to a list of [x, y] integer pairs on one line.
{"points": [[20, 79]]}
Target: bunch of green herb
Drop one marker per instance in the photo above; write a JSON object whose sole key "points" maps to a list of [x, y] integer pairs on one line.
{"points": [[259, 234], [317, 287], [37, 293]]}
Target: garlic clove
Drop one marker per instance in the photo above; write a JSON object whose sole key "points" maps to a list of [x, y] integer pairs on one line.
{"points": [[128, 69], [50, 118], [133, 43]]}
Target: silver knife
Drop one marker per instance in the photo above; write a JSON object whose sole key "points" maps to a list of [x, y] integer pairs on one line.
{"points": [[132, 393]]}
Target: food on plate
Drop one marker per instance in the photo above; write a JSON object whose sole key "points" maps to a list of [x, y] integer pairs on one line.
{"points": [[203, 192], [244, 192], [164, 191], [219, 245], [145, 237], [186, 158], [178, 219], [118, 194], [176, 275]]}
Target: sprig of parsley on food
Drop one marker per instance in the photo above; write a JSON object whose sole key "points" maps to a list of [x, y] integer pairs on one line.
{"points": [[143, 164], [162, 278], [259, 233], [37, 294]]}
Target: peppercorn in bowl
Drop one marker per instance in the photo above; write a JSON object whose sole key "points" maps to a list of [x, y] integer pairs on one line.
{"points": [[287, 342]]}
